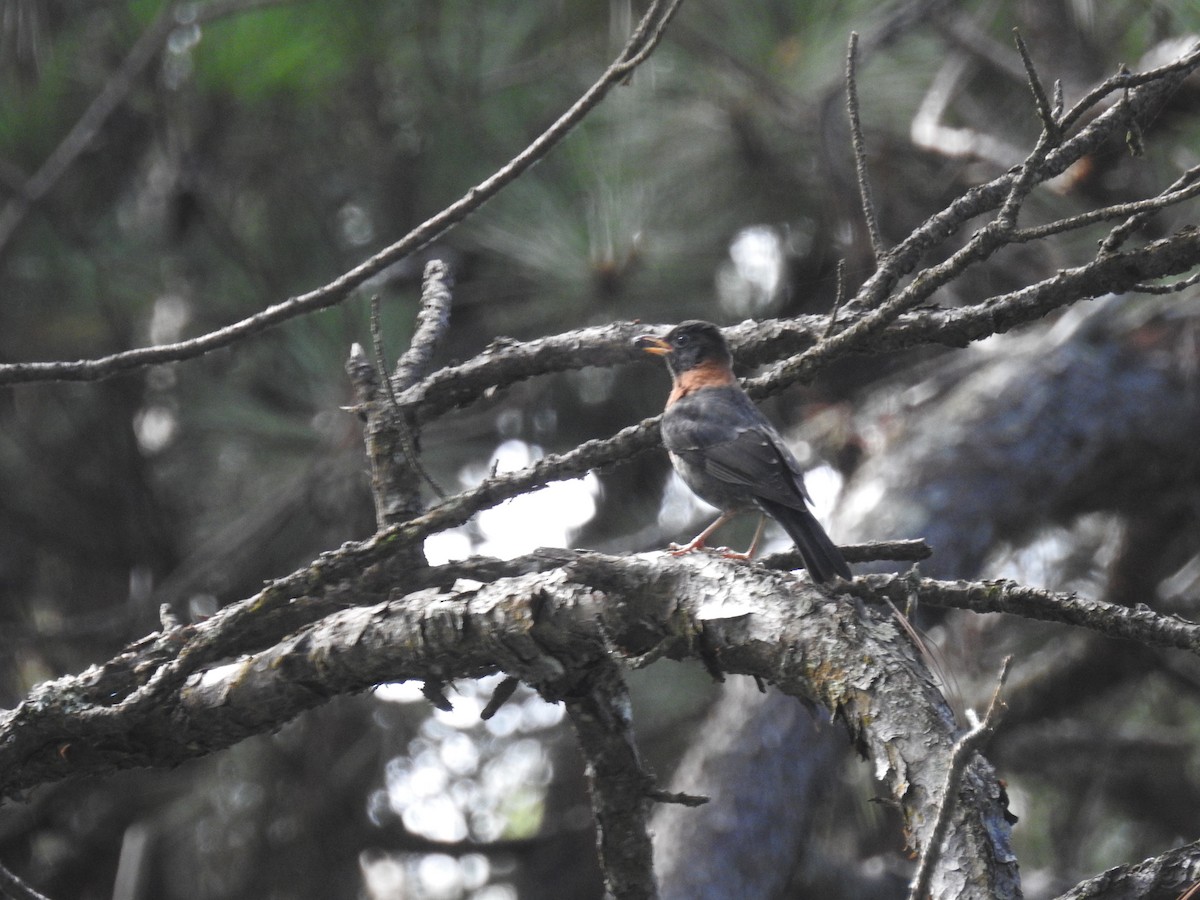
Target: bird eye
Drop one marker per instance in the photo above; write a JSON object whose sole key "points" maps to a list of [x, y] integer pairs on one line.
{"points": [[681, 340]]}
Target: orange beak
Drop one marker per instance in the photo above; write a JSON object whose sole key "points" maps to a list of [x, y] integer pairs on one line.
{"points": [[652, 344]]}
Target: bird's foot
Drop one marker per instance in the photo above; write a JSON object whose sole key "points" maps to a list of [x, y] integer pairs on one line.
{"points": [[735, 554], [684, 549]]}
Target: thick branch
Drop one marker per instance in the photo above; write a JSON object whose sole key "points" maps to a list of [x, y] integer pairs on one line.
{"points": [[1168, 876], [550, 629], [619, 787]]}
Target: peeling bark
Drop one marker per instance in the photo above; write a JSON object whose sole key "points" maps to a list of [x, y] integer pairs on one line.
{"points": [[556, 630]]}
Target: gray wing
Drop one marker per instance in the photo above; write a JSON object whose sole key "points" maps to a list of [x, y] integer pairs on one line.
{"points": [[723, 430]]}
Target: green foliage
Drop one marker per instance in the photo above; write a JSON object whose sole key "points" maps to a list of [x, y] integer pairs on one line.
{"points": [[34, 117], [244, 56]]}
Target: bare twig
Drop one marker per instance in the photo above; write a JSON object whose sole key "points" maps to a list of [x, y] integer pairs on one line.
{"points": [[1006, 192], [1182, 185], [1153, 88], [432, 321], [1175, 255], [692, 801], [839, 298], [13, 887], [1122, 81], [410, 367], [1139, 623], [1029, 175], [380, 358], [898, 551], [1138, 211], [860, 152], [1045, 111], [643, 41], [963, 749], [1173, 288], [505, 689]]}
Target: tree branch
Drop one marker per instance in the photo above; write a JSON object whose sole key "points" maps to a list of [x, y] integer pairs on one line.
{"points": [[1149, 91], [644, 39], [432, 322], [1138, 623], [868, 332], [964, 747], [859, 145], [1168, 875], [620, 789], [551, 630]]}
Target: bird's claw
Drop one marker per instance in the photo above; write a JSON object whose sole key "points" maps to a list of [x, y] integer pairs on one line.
{"points": [[725, 552], [733, 554]]}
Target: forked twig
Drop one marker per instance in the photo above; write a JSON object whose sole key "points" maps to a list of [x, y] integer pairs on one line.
{"points": [[408, 438]]}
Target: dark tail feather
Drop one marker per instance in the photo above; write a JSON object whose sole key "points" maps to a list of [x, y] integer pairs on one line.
{"points": [[821, 556]]}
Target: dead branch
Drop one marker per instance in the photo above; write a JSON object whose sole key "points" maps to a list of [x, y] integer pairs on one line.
{"points": [[642, 42], [550, 630], [1168, 875], [1139, 623]]}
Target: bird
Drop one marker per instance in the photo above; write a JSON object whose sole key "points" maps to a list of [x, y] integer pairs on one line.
{"points": [[728, 453]]}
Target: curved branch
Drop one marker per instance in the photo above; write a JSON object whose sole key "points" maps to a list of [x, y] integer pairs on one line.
{"points": [[644, 39], [507, 362], [873, 331], [551, 630]]}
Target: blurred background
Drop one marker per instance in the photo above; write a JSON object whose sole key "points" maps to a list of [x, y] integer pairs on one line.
{"points": [[241, 155]]}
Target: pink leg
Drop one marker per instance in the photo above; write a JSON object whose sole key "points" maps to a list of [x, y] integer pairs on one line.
{"points": [[733, 554], [697, 542]]}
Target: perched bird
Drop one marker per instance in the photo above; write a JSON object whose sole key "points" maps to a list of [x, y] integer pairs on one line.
{"points": [[727, 452]]}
